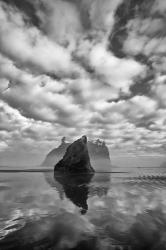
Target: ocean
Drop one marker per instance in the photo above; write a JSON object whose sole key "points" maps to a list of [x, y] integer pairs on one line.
{"points": [[124, 209]]}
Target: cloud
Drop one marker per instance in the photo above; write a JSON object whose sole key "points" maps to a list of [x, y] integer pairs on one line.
{"points": [[109, 66], [10, 115], [159, 6], [3, 146], [77, 17], [142, 106], [63, 75], [145, 36], [11, 123], [159, 90], [37, 97], [60, 20], [30, 48], [102, 14]]}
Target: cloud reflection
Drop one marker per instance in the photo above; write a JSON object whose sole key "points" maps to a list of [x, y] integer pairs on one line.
{"points": [[36, 215]]}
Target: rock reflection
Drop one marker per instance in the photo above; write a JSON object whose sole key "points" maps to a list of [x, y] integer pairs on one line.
{"points": [[126, 215], [75, 188], [78, 188]]}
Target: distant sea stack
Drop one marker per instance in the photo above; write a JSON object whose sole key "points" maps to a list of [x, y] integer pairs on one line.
{"points": [[98, 152], [56, 154], [76, 158]]}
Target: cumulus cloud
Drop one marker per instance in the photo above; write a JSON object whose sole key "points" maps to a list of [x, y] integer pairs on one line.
{"points": [[145, 36], [107, 65], [60, 20], [60, 76], [29, 47], [65, 20], [3, 146], [102, 14], [159, 6], [37, 97], [159, 90]]}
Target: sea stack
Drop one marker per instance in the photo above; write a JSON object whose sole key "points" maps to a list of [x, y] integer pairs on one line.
{"points": [[76, 158], [97, 149]]}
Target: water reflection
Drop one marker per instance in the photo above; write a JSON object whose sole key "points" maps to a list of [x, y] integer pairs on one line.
{"points": [[65, 231], [43, 212], [76, 188]]}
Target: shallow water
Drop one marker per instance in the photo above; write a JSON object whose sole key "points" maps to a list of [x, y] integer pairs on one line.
{"points": [[101, 212]]}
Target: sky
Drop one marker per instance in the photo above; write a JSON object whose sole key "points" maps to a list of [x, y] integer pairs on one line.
{"points": [[75, 67]]}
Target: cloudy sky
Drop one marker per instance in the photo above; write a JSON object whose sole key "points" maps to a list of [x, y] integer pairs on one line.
{"points": [[74, 67]]}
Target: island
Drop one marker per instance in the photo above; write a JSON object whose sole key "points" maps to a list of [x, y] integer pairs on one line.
{"points": [[76, 158], [98, 153]]}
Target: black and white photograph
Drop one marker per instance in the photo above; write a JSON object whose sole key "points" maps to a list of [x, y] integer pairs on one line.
{"points": [[82, 124]]}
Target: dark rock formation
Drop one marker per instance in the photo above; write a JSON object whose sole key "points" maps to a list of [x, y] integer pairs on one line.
{"points": [[76, 158], [98, 152]]}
